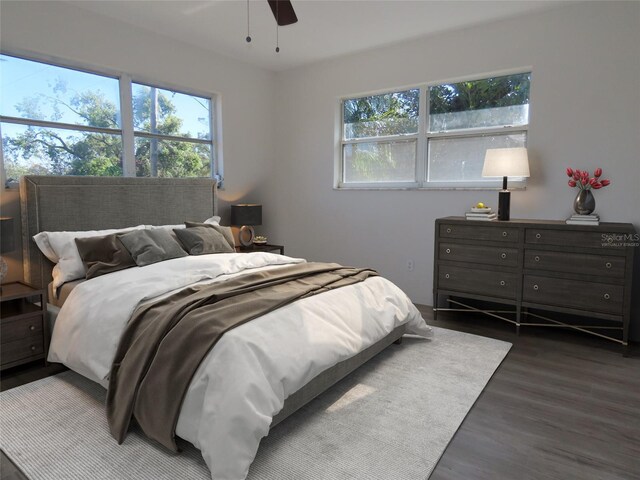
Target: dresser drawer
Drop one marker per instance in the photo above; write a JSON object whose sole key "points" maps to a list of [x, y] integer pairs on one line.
{"points": [[597, 265], [479, 232], [588, 296], [502, 256], [483, 282], [565, 238], [21, 349]]}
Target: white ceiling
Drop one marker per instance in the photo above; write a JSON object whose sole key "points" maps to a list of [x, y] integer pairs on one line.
{"points": [[326, 28]]}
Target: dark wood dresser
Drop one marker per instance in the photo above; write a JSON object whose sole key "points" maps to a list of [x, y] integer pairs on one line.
{"points": [[539, 265], [22, 324]]}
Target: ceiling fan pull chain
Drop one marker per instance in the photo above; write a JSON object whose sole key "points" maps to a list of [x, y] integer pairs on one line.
{"points": [[248, 30], [277, 27]]}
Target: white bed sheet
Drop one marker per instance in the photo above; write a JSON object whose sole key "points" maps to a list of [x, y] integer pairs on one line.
{"points": [[228, 410]]}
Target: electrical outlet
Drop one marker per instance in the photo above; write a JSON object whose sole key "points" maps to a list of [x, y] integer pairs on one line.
{"points": [[410, 265]]}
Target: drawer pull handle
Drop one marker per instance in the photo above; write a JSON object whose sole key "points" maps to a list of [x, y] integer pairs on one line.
{"points": [[535, 287], [608, 264], [502, 283], [607, 296], [504, 255], [448, 230], [504, 234], [538, 236], [448, 250], [536, 258], [32, 327], [446, 275], [33, 348]]}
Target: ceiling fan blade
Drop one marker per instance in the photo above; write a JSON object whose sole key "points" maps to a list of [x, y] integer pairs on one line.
{"points": [[283, 12]]}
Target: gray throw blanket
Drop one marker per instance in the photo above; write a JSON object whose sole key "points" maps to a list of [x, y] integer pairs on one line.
{"points": [[165, 342]]}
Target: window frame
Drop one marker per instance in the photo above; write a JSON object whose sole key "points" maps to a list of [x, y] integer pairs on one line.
{"points": [[339, 181], [126, 130], [423, 136]]}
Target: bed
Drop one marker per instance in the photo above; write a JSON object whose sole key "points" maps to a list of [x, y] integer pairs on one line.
{"points": [[329, 335]]}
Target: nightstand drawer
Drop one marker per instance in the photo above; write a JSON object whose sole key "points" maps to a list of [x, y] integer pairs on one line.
{"points": [[477, 232], [25, 327], [599, 265], [22, 330], [507, 257], [483, 282], [581, 295], [21, 349], [566, 238]]}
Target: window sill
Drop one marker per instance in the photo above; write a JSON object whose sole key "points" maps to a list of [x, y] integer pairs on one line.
{"points": [[485, 189]]}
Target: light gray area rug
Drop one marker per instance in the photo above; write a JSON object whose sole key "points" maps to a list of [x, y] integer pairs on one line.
{"points": [[391, 419]]}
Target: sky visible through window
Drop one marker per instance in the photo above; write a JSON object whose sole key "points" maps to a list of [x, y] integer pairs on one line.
{"points": [[61, 107], [23, 79]]}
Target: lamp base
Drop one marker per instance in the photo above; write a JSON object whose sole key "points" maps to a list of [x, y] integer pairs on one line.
{"points": [[504, 200], [246, 236]]}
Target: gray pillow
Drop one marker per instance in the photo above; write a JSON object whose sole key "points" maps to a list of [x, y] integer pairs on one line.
{"points": [[225, 231], [151, 246], [102, 255], [203, 240]]}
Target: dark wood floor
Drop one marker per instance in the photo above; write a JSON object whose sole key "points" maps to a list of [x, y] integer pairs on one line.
{"points": [[562, 405]]}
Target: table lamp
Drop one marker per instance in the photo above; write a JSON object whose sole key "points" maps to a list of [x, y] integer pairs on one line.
{"points": [[505, 162], [246, 215]]}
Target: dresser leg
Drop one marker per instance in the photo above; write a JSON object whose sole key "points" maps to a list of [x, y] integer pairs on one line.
{"points": [[626, 350], [435, 306]]}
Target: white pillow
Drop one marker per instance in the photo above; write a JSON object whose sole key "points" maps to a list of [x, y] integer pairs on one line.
{"points": [[60, 248], [165, 227], [215, 220]]}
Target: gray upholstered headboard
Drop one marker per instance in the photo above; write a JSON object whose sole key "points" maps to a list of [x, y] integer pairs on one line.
{"points": [[94, 203]]}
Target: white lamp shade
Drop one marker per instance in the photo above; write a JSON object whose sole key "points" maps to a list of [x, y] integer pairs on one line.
{"points": [[506, 162]]}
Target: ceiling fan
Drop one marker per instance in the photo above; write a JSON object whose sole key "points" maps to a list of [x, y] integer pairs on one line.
{"points": [[284, 14]]}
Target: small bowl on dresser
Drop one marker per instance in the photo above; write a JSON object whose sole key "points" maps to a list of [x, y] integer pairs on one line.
{"points": [[260, 240]]}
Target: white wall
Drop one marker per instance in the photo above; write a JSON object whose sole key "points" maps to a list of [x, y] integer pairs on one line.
{"points": [[58, 30], [585, 112]]}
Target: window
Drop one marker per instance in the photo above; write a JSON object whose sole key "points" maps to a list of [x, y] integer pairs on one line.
{"points": [[380, 138], [61, 121], [389, 140], [58, 121], [172, 133]]}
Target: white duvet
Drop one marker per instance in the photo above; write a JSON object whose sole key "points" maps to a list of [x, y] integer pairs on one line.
{"points": [[244, 381]]}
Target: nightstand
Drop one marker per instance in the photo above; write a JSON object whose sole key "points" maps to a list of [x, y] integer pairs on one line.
{"points": [[267, 247], [22, 324]]}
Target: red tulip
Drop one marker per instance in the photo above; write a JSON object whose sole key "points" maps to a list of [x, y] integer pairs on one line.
{"points": [[584, 181], [572, 183], [585, 174], [578, 171], [597, 185], [576, 176], [569, 172], [597, 172], [605, 182], [592, 181]]}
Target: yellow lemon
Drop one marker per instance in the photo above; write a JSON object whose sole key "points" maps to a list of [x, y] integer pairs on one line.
{"points": [[480, 205]]}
